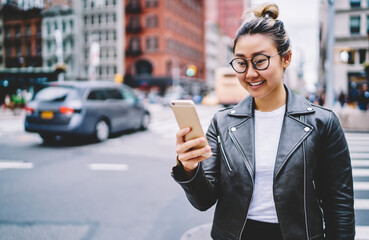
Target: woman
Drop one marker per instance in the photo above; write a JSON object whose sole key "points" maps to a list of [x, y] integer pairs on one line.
{"points": [[280, 166]]}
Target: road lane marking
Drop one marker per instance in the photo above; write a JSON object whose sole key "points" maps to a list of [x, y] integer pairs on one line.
{"points": [[361, 186], [108, 167], [362, 233], [360, 163], [360, 172], [361, 204], [360, 155], [15, 165]]}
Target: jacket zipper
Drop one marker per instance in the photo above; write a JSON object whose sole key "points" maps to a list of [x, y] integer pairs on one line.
{"points": [[252, 180], [305, 199], [225, 156], [243, 155]]}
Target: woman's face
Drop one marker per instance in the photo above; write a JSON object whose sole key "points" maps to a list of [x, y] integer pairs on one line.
{"points": [[261, 84]]}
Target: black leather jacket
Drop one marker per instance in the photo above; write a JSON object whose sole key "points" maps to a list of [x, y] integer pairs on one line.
{"points": [[312, 186]]}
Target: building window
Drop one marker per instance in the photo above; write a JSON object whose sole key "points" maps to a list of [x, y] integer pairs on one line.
{"points": [[355, 25], [64, 26], [28, 30], [151, 3], [29, 49], [8, 33], [48, 27], [355, 3], [152, 43], [152, 21], [134, 44], [17, 31], [362, 55]]}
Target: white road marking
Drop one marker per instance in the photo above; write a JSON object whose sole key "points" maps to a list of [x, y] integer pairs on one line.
{"points": [[361, 204], [360, 172], [108, 167], [358, 155], [361, 186], [5, 164], [360, 163], [362, 233]]}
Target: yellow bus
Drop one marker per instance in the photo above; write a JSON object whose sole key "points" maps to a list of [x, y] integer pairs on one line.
{"points": [[227, 87]]}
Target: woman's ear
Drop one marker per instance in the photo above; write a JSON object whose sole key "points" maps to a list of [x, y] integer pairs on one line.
{"points": [[287, 59]]}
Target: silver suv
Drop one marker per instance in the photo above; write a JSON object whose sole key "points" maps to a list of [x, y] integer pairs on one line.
{"points": [[95, 109]]}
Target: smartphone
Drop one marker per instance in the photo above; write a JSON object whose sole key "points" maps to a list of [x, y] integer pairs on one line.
{"points": [[186, 116]]}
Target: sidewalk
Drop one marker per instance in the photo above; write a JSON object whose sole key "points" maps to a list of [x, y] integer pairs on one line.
{"points": [[9, 114], [353, 119]]}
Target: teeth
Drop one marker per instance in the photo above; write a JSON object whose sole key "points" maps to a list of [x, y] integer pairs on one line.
{"points": [[256, 84]]}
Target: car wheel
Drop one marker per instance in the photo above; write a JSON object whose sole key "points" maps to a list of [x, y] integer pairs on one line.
{"points": [[102, 130], [145, 121]]}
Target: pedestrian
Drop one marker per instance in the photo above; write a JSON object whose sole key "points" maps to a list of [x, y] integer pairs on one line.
{"points": [[280, 166], [363, 97]]}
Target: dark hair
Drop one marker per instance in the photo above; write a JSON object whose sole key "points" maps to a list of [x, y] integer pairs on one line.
{"points": [[263, 20]]}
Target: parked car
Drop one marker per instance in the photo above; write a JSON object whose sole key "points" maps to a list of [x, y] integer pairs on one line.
{"points": [[96, 109]]}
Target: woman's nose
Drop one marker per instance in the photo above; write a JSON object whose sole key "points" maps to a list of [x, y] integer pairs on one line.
{"points": [[251, 72]]}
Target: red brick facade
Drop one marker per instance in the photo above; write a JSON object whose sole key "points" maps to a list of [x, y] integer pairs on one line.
{"points": [[22, 37], [161, 35]]}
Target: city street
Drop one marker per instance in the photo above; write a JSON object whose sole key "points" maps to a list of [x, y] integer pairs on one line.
{"points": [[118, 189]]}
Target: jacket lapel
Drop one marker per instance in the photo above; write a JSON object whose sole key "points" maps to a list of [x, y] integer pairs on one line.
{"points": [[294, 130], [293, 134], [242, 132]]}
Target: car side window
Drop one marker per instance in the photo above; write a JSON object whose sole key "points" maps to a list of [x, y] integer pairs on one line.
{"points": [[97, 94], [113, 94], [128, 96]]}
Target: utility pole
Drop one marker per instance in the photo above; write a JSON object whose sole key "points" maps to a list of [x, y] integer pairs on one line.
{"points": [[329, 91]]}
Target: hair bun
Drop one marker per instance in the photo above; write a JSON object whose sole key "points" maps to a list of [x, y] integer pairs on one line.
{"points": [[267, 10]]}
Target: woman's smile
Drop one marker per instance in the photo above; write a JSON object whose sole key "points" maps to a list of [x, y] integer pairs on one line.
{"points": [[255, 85]]}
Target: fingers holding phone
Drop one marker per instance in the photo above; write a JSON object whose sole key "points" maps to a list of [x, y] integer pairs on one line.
{"points": [[193, 151], [192, 146]]}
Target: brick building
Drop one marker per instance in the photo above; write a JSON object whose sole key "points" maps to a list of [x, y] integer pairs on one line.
{"points": [[22, 37], [163, 38]]}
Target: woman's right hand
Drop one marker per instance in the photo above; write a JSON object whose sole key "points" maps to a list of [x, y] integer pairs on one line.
{"points": [[187, 155]]}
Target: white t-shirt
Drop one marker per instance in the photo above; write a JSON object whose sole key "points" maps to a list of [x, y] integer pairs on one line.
{"points": [[268, 127]]}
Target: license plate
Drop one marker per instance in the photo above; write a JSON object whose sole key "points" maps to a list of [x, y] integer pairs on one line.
{"points": [[47, 115]]}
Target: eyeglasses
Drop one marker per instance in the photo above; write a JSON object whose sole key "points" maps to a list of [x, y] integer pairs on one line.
{"points": [[259, 62]]}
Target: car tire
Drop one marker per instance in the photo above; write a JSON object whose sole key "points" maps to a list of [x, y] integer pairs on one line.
{"points": [[145, 121], [102, 130]]}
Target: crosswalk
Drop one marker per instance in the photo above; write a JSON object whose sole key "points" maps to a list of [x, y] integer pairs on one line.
{"points": [[359, 151]]}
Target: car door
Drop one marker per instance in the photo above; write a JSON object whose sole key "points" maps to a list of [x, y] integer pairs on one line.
{"points": [[134, 110], [120, 109], [95, 107]]}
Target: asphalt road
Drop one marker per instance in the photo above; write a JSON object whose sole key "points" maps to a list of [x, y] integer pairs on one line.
{"points": [[118, 189]]}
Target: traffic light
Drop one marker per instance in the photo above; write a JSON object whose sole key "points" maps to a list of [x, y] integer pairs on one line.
{"points": [[191, 70]]}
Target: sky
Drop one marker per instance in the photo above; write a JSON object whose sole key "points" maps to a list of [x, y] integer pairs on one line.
{"points": [[301, 19]]}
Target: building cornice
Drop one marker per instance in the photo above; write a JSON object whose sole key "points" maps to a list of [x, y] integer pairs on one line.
{"points": [[353, 10]]}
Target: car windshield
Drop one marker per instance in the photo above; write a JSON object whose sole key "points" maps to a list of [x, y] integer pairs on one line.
{"points": [[56, 94]]}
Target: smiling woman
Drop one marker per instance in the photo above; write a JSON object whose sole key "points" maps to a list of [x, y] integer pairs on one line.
{"points": [[280, 166]]}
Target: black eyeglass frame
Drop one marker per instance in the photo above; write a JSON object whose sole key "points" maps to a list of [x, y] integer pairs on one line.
{"points": [[253, 64]]}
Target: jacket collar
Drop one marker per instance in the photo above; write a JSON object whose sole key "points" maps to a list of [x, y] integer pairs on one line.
{"points": [[296, 105]]}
